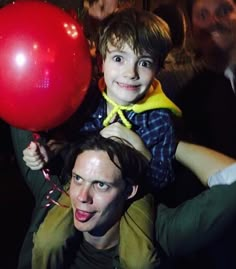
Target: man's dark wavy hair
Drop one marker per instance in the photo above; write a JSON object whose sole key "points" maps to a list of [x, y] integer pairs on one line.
{"points": [[132, 163], [189, 8]]}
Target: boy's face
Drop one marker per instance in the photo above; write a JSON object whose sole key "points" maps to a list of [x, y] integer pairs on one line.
{"points": [[127, 76]]}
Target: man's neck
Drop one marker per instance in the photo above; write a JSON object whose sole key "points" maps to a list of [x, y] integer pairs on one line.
{"points": [[217, 61], [105, 241]]}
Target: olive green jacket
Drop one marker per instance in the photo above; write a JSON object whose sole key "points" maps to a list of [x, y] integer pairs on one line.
{"points": [[178, 231]]}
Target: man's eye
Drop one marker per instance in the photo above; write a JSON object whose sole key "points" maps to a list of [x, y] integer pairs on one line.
{"points": [[117, 58], [102, 186], [224, 10], [76, 178], [202, 15]]}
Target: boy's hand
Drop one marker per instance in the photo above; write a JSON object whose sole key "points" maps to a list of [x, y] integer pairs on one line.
{"points": [[35, 156], [119, 130]]}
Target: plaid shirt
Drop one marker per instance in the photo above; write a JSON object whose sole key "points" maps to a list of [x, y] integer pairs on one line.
{"points": [[155, 127]]}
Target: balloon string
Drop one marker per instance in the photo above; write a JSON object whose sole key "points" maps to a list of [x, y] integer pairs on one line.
{"points": [[46, 173]]}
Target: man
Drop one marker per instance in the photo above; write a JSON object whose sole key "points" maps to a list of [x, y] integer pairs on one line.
{"points": [[106, 177], [208, 101], [213, 27]]}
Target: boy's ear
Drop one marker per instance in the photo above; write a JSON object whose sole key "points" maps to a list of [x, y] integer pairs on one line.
{"points": [[131, 191]]}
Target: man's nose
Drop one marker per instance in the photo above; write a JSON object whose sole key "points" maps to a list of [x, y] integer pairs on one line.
{"points": [[213, 19], [85, 194]]}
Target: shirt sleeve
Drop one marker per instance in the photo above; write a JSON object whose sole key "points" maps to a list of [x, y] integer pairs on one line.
{"points": [[162, 145], [197, 222], [225, 176]]}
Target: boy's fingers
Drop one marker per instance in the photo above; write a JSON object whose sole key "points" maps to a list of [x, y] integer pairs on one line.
{"points": [[32, 146]]}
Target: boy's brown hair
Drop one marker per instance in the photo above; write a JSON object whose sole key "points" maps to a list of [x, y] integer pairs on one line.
{"points": [[142, 30]]}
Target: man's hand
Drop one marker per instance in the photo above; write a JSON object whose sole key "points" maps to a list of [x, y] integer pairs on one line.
{"points": [[119, 130]]}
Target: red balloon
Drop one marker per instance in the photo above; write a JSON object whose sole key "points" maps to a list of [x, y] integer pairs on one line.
{"points": [[45, 65]]}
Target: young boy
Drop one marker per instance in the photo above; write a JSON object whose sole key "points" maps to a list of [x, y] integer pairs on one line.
{"points": [[133, 45]]}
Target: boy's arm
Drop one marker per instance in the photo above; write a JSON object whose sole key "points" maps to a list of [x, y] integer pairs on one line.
{"points": [[202, 161], [155, 140], [35, 180], [119, 130], [162, 145]]}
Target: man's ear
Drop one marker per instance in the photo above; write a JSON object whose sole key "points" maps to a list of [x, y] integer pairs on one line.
{"points": [[131, 191]]}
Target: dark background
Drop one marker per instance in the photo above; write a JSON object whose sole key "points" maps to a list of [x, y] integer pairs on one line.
{"points": [[16, 203]]}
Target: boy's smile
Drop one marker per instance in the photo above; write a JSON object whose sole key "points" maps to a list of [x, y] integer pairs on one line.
{"points": [[128, 87], [127, 76]]}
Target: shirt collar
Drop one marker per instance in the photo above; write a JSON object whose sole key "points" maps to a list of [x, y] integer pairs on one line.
{"points": [[229, 74]]}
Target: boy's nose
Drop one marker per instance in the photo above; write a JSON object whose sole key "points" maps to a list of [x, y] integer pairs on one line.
{"points": [[131, 72]]}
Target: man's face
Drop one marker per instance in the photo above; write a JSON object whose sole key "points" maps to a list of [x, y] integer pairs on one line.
{"points": [[127, 76], [98, 193], [214, 24], [100, 9]]}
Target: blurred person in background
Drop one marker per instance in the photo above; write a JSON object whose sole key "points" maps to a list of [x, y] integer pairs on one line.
{"points": [[208, 100]]}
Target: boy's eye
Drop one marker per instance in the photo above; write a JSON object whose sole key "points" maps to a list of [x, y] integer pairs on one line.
{"points": [[102, 186], [146, 63], [117, 58]]}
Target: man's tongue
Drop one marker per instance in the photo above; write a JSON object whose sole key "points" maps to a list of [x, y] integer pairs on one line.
{"points": [[83, 216]]}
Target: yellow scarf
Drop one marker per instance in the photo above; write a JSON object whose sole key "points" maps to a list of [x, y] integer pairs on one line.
{"points": [[154, 99]]}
